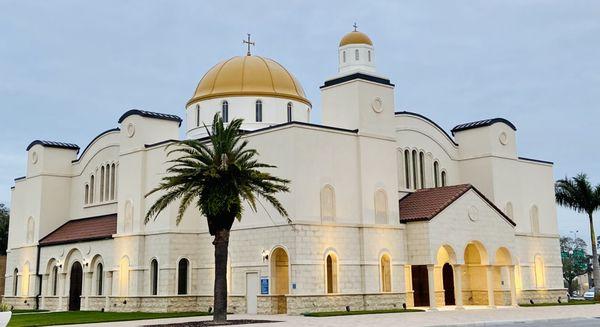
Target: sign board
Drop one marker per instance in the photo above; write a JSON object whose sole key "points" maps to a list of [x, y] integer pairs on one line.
{"points": [[264, 285]]}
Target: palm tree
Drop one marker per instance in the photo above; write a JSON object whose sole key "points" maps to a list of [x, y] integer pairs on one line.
{"points": [[217, 175], [578, 194]]}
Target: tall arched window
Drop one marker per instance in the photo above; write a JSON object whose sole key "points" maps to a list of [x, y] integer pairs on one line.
{"points": [[332, 270], [92, 189], [30, 230], [436, 173], [444, 182], [182, 276], [509, 211], [154, 277], [225, 111], [107, 184], [535, 219], [415, 169], [343, 56], [102, 184], [124, 276], [422, 169], [327, 203], [381, 215], [16, 282], [99, 278], [369, 53], [356, 54], [113, 180], [289, 112], [385, 268], [407, 168], [54, 280], [197, 115], [258, 110], [539, 272], [86, 194]]}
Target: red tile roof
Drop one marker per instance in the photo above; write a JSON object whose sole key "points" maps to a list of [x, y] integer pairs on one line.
{"points": [[427, 203], [85, 229]]}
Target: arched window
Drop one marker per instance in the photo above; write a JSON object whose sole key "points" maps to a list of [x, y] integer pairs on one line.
{"points": [[369, 53], [154, 277], [407, 168], [225, 111], [182, 276], [113, 180], [102, 184], [509, 211], [436, 173], [327, 203], [332, 270], [87, 193], [386, 273], [99, 278], [107, 188], [381, 215], [197, 115], [343, 56], [124, 277], [422, 169], [54, 280], [539, 272], [415, 169], [535, 219], [289, 112], [92, 189], [444, 182], [356, 54], [16, 282], [30, 230], [258, 110]]}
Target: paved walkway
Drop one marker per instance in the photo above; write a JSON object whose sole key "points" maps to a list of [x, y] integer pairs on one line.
{"points": [[469, 317]]}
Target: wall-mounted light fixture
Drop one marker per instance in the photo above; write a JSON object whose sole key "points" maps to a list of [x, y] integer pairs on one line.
{"points": [[265, 255]]}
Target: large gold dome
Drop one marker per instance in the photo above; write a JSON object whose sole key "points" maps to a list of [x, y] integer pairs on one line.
{"points": [[249, 76], [355, 37]]}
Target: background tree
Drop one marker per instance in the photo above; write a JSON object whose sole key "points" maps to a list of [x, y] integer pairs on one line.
{"points": [[4, 215], [574, 260], [578, 194], [217, 176]]}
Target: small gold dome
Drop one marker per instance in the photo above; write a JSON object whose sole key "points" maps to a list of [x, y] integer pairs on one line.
{"points": [[249, 76], [355, 37]]}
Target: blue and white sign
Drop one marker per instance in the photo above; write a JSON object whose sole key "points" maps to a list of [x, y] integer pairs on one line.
{"points": [[264, 285]]}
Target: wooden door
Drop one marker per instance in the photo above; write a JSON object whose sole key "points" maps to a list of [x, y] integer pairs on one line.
{"points": [[420, 285], [76, 281], [448, 276]]}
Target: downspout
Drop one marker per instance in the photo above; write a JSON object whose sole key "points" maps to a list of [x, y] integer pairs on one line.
{"points": [[39, 277]]}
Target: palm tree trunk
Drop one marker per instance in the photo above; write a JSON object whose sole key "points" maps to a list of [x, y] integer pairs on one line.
{"points": [[596, 269], [221, 244]]}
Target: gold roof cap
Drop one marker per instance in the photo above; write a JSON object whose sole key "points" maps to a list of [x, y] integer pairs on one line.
{"points": [[355, 37], [249, 76]]}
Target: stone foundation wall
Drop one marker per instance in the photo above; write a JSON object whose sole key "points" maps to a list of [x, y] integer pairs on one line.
{"points": [[440, 298], [385, 301], [271, 304], [298, 304], [542, 296], [52, 303], [475, 297], [502, 298], [20, 302]]}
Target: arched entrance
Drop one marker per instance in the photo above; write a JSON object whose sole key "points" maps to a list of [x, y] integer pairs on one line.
{"points": [[76, 279], [280, 272], [448, 280], [478, 277]]}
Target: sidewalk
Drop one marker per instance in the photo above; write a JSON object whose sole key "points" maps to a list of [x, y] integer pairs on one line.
{"points": [[438, 318]]}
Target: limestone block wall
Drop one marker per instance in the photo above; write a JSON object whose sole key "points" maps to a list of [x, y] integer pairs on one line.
{"points": [[542, 296], [298, 304], [20, 302]]}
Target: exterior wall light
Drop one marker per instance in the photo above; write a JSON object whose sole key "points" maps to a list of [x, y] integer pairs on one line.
{"points": [[265, 255]]}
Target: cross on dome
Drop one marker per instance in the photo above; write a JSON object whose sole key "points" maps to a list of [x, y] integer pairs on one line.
{"points": [[355, 26], [249, 43]]}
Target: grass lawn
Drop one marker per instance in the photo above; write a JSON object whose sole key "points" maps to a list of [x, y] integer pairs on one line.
{"points": [[572, 302], [360, 312], [86, 317]]}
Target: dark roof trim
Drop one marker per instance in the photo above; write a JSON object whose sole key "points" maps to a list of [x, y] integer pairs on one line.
{"points": [[471, 187], [75, 240], [159, 143], [88, 239], [53, 144], [482, 123], [537, 160], [20, 178], [116, 129], [333, 128], [430, 121], [150, 114], [354, 76]]}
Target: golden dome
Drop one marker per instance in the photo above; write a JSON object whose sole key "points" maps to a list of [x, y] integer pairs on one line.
{"points": [[249, 76], [355, 37]]}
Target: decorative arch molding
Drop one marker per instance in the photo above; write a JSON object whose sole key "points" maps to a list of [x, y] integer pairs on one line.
{"points": [[483, 253], [503, 257], [328, 203], [450, 251], [430, 123], [93, 142], [72, 256]]}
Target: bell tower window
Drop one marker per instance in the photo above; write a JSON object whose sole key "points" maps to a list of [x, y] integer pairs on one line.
{"points": [[258, 109], [225, 111]]}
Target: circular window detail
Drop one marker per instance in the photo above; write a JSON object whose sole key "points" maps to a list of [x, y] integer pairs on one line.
{"points": [[34, 157], [377, 105], [130, 129], [503, 138], [473, 213]]}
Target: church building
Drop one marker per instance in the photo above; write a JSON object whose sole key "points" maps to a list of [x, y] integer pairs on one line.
{"points": [[386, 208]]}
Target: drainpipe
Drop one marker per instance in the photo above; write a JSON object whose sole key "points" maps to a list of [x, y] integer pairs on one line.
{"points": [[39, 278]]}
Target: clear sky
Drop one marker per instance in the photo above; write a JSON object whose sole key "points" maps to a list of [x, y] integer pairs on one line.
{"points": [[69, 69]]}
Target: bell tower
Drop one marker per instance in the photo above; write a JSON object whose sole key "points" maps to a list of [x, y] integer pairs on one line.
{"points": [[358, 97]]}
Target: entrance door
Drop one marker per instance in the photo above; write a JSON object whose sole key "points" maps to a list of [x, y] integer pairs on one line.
{"points": [[252, 289], [75, 287], [448, 276], [420, 285]]}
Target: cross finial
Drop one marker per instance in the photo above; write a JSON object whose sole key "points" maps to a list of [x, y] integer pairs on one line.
{"points": [[355, 26], [249, 43]]}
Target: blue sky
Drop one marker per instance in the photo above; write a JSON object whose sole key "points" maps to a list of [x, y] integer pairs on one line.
{"points": [[69, 69]]}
